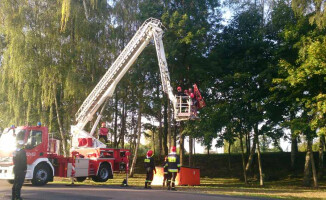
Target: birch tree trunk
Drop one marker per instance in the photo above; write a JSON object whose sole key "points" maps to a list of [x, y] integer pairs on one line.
{"points": [[307, 173], [153, 141], [247, 136], [132, 169], [229, 156], [174, 142], [261, 176], [314, 173], [294, 151], [169, 125], [321, 157], [190, 150], [165, 131], [182, 152], [160, 122], [115, 143], [122, 131], [85, 9], [243, 161], [62, 134], [253, 149], [160, 136]]}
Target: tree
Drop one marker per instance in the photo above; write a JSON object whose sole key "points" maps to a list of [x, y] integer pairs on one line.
{"points": [[244, 69], [44, 69], [304, 75]]}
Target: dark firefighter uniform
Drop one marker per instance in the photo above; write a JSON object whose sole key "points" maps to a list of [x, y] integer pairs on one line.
{"points": [[173, 169], [20, 166], [150, 167], [165, 168]]}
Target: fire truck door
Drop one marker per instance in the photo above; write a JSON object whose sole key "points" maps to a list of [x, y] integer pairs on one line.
{"points": [[35, 147]]}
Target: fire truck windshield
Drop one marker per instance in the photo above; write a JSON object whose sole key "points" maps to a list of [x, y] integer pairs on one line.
{"points": [[9, 137]]}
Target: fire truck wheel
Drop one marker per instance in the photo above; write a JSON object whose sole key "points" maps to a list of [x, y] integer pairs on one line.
{"points": [[41, 175], [103, 173], [80, 179]]}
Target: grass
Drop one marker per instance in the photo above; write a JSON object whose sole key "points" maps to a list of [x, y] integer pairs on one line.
{"points": [[283, 189]]}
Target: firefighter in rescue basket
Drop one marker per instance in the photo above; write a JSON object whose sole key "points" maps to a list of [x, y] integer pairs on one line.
{"points": [[150, 168]]}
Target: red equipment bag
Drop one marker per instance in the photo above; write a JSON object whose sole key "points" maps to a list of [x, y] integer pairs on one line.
{"points": [[201, 102]]}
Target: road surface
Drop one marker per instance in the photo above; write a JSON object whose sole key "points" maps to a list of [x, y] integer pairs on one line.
{"points": [[106, 192]]}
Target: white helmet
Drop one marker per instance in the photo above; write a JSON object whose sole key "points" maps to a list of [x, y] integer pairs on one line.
{"points": [[20, 142]]}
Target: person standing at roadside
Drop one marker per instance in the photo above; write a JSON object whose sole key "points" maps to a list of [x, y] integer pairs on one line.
{"points": [[150, 168], [165, 170], [20, 167], [173, 167]]}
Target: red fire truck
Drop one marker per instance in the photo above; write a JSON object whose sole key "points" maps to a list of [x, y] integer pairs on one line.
{"points": [[44, 161], [89, 157]]}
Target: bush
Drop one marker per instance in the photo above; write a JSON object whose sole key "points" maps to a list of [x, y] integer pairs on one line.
{"points": [[276, 165]]}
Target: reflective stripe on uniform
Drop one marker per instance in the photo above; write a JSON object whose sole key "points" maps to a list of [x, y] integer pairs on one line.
{"points": [[172, 159], [173, 170], [147, 160]]}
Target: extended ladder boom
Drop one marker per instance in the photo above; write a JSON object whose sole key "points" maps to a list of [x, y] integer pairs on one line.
{"points": [[151, 28]]}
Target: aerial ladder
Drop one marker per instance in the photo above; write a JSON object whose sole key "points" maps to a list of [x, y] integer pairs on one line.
{"points": [[150, 29]]}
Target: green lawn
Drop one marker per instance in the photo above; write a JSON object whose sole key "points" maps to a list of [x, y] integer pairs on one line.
{"points": [[284, 189]]}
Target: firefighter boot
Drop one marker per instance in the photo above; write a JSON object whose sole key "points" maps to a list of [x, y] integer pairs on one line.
{"points": [[145, 185], [173, 186], [149, 185], [169, 183]]}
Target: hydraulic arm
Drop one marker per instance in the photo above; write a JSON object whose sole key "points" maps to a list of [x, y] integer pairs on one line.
{"points": [[150, 29]]}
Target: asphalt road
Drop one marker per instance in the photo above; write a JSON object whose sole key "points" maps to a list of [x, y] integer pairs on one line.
{"points": [[89, 192]]}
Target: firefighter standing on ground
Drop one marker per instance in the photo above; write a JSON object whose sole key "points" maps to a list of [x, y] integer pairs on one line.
{"points": [[173, 167], [165, 169], [20, 167], [150, 167]]}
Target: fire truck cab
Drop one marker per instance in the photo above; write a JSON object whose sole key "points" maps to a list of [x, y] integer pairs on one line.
{"points": [[44, 160]]}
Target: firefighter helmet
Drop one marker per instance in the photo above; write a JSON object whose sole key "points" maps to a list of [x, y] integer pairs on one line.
{"points": [[149, 153], [192, 95], [173, 149], [178, 88]]}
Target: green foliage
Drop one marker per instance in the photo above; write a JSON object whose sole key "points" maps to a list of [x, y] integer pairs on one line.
{"points": [[41, 64], [314, 8], [257, 71], [243, 67], [304, 75]]}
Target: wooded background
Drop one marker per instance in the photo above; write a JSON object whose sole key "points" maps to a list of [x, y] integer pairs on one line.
{"points": [[260, 73]]}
